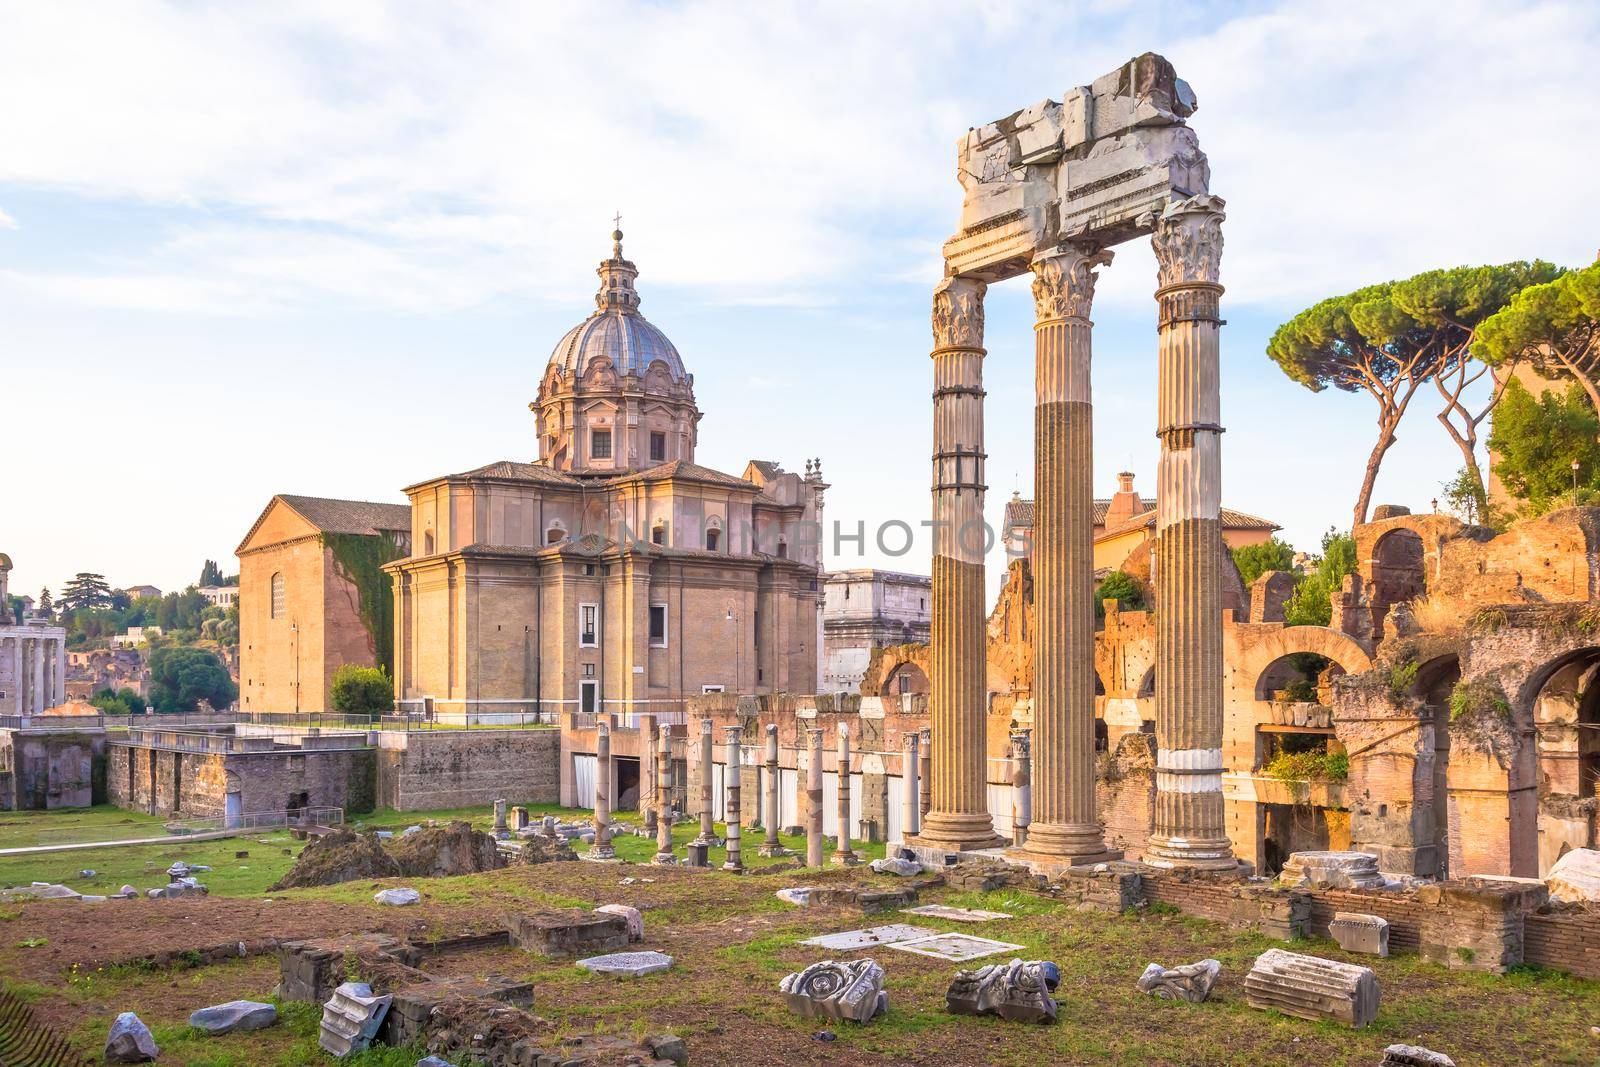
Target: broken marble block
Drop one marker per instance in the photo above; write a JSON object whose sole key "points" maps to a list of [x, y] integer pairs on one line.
{"points": [[397, 897], [1191, 982], [130, 1041], [1358, 932], [233, 1016], [1017, 991], [843, 990], [905, 868], [351, 1017], [1575, 877], [1332, 870], [1312, 988], [634, 919], [1414, 1056], [800, 895]]}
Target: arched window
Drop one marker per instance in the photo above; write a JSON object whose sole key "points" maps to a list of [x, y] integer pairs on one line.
{"points": [[277, 595], [713, 534], [783, 549], [658, 534], [555, 534]]}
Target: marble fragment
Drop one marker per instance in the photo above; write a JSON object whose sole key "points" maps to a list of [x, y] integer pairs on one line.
{"points": [[845, 990], [1019, 991], [1191, 982]]}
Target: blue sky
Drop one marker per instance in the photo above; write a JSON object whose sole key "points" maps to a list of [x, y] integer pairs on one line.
{"points": [[327, 248]]}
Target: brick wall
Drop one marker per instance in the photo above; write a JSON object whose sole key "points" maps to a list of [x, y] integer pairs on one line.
{"points": [[431, 769], [1564, 942]]}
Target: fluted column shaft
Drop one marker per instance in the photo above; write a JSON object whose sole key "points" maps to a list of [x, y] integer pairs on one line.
{"points": [[1064, 825], [959, 817], [1190, 830], [1021, 786], [708, 744], [910, 775], [732, 780]]}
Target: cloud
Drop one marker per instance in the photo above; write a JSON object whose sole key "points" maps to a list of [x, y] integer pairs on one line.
{"points": [[438, 157], [6, 221]]}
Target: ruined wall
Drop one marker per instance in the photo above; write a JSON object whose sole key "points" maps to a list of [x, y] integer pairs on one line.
{"points": [[56, 769], [196, 784], [423, 770]]}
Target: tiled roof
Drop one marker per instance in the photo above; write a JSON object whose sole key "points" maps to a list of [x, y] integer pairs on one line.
{"points": [[1019, 516], [682, 469], [349, 516], [1231, 520], [511, 470], [1019, 512]]}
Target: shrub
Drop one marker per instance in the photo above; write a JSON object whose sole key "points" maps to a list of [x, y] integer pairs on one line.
{"points": [[1121, 587], [1479, 699], [1311, 766], [362, 690], [181, 677]]}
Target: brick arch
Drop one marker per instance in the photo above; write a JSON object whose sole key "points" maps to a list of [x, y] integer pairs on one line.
{"points": [[1319, 640], [886, 663]]}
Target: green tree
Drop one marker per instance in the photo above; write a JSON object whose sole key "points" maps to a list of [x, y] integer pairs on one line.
{"points": [[1555, 327], [1270, 555], [14, 606], [1536, 441], [1121, 587], [210, 574], [1389, 339], [182, 676], [124, 701], [362, 690], [1311, 604], [86, 590], [46, 607]]}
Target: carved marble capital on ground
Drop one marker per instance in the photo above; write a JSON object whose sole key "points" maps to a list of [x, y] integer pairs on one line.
{"points": [[1063, 281], [1188, 241], [958, 313]]}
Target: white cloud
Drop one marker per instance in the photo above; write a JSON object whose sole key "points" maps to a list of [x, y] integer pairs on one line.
{"points": [[433, 158], [6, 221]]}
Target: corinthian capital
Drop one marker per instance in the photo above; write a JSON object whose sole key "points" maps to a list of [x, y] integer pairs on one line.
{"points": [[1063, 281], [1188, 240], [958, 313]]}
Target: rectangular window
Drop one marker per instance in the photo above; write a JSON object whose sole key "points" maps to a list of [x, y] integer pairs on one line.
{"points": [[658, 447], [712, 689], [658, 625], [589, 697], [658, 535], [600, 444], [588, 628], [588, 670]]}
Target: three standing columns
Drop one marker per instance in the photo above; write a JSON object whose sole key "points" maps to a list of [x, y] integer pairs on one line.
{"points": [[958, 818], [1064, 826], [1190, 830]]}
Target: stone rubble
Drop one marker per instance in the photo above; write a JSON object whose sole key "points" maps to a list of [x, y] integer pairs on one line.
{"points": [[844, 990], [1192, 982], [1575, 877], [1332, 870], [130, 1041], [1414, 1056], [397, 897], [905, 868], [630, 914], [235, 1015], [351, 1017]]}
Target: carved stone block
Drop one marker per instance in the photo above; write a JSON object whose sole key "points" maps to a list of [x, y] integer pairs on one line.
{"points": [[1191, 982], [845, 990], [1312, 988], [1017, 991], [1357, 932]]}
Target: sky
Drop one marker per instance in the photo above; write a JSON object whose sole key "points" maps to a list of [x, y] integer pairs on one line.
{"points": [[327, 248]]}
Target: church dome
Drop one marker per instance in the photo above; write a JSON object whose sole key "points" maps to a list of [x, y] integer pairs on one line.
{"points": [[616, 331]]}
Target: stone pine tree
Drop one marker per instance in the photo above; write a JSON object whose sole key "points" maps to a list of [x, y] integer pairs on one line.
{"points": [[86, 590], [1554, 327], [1389, 340]]}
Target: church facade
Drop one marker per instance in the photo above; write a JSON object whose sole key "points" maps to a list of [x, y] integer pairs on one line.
{"points": [[613, 573]]}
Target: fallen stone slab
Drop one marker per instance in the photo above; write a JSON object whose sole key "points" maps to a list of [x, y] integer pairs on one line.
{"points": [[628, 964], [960, 915], [848, 991], [631, 915], [130, 1041], [1360, 932], [1019, 991], [1312, 988], [850, 940], [895, 865], [568, 932], [799, 895], [1192, 982], [40, 891], [1575, 877], [235, 1015], [398, 898], [1414, 1056]]}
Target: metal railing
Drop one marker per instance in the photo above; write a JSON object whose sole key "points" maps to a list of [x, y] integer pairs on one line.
{"points": [[276, 739], [469, 720]]}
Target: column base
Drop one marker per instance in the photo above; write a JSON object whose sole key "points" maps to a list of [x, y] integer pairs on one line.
{"points": [[610, 856], [1196, 854], [771, 851], [846, 858], [697, 855], [957, 832], [737, 868], [1065, 841], [664, 859], [1053, 866]]}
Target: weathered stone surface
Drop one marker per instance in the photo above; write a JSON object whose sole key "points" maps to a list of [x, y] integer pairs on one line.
{"points": [[1312, 988], [1332, 870], [800, 895], [957, 947], [1575, 877], [569, 932], [1476, 924], [40, 891], [311, 970], [1191, 982], [434, 1061], [1414, 1056], [628, 964], [130, 1041], [1017, 991], [1357, 932], [397, 897], [895, 865], [420, 1008], [630, 914], [849, 940], [960, 915], [234, 1015], [351, 1018], [848, 990]]}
